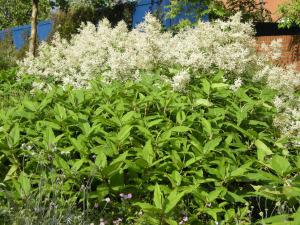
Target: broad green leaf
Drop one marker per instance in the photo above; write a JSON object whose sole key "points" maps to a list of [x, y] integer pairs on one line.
{"points": [[180, 129], [60, 112], [146, 207], [10, 174], [202, 102], [158, 197], [25, 184], [241, 170], [32, 106], [173, 199], [180, 117], [207, 126], [148, 153], [235, 197], [206, 86], [76, 166], [212, 144], [124, 133], [213, 195], [280, 164], [49, 137], [60, 163], [262, 150], [219, 85], [171, 221], [15, 135], [101, 160]]}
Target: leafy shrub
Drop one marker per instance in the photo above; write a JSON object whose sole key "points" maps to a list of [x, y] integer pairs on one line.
{"points": [[120, 54], [12, 89], [141, 153], [7, 53]]}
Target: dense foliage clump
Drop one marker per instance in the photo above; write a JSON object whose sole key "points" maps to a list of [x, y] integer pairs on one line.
{"points": [[147, 127], [141, 153]]}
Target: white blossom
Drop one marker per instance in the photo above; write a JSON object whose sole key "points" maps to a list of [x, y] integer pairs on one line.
{"points": [[237, 84], [181, 80]]}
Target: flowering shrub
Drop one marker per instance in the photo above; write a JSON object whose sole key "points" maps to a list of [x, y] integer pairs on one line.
{"points": [[120, 54], [116, 53]]}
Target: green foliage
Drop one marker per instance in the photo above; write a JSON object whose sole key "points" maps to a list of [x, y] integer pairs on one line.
{"points": [[68, 21], [210, 154], [12, 90], [290, 13], [18, 12], [8, 53], [215, 9]]}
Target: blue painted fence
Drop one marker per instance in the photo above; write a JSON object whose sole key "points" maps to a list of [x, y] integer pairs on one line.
{"points": [[21, 34]]}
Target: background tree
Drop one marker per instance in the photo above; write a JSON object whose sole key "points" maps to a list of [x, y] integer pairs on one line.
{"points": [[290, 12], [18, 12], [251, 10], [33, 35]]}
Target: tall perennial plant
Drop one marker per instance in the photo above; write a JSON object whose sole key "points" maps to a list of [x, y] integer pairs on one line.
{"points": [[121, 54]]}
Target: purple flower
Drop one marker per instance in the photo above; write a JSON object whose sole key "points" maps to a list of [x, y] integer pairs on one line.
{"points": [[124, 196], [129, 196]]}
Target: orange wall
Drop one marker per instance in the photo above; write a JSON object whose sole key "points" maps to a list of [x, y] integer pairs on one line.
{"points": [[272, 6]]}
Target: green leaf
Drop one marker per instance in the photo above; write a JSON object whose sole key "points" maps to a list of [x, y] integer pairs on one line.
{"points": [[280, 164], [60, 163], [32, 106], [180, 117], [173, 199], [219, 85], [206, 86], [180, 129], [171, 221], [49, 137], [262, 150], [10, 174], [60, 112], [212, 144], [15, 135], [207, 126], [241, 170], [213, 195], [101, 160], [202, 102], [158, 197], [124, 133], [25, 184], [146, 207], [148, 153], [76, 166]]}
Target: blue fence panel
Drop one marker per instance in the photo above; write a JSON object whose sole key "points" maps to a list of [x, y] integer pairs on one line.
{"points": [[21, 34], [2, 35], [160, 6], [44, 30]]}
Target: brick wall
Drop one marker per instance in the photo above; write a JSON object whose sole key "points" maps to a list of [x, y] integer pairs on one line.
{"points": [[290, 50]]}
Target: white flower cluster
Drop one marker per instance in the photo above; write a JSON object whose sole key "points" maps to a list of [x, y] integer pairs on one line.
{"points": [[181, 80], [121, 54], [117, 53], [237, 84]]}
